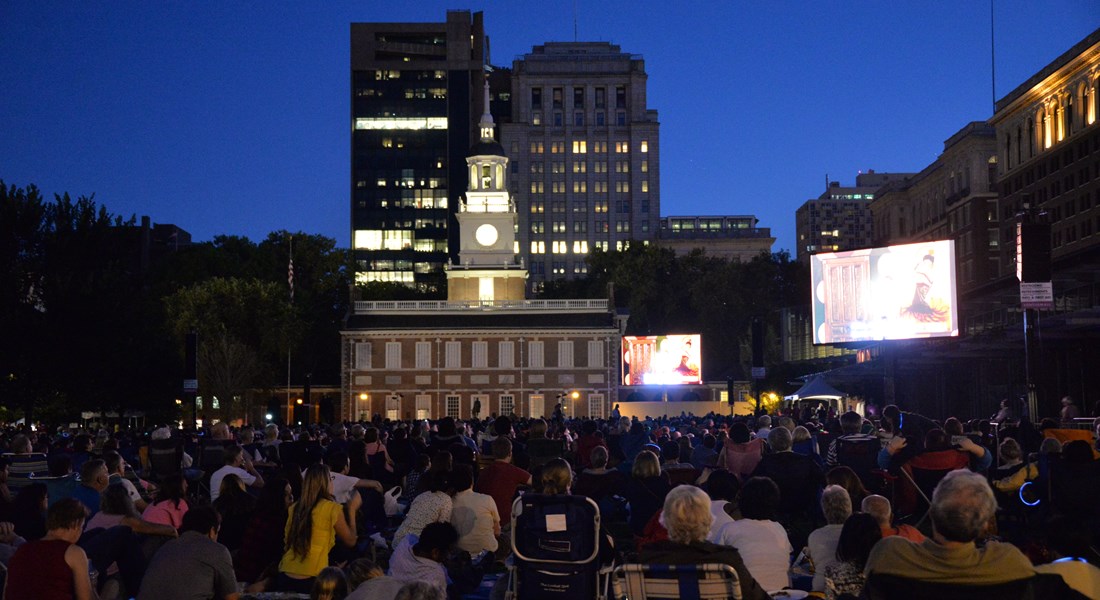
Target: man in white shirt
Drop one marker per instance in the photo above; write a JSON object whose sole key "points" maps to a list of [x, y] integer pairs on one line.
{"points": [[343, 484], [474, 515], [238, 463]]}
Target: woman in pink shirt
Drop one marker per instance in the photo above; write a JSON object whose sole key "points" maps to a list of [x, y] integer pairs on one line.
{"points": [[171, 502]]}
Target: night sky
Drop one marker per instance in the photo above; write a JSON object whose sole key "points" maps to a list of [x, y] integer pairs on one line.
{"points": [[233, 117]]}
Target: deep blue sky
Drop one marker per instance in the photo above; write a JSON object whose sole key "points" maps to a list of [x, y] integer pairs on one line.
{"points": [[232, 117]]}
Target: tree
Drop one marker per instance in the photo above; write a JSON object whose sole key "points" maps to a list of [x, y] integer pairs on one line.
{"points": [[245, 327]]}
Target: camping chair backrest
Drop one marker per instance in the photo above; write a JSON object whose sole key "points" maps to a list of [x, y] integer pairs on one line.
{"points": [[861, 456], [556, 540], [165, 457], [712, 581], [681, 475], [555, 528], [212, 454]]}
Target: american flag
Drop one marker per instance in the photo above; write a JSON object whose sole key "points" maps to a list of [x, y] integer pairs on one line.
{"points": [[290, 276]]}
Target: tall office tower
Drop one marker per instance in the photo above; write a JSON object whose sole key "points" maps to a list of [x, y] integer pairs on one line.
{"points": [[416, 90], [840, 218], [584, 152]]}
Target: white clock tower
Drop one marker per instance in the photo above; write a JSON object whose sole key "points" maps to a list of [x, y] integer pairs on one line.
{"points": [[487, 269]]}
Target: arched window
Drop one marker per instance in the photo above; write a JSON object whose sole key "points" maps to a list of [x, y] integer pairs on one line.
{"points": [[1047, 129], [1019, 144], [1031, 137], [1093, 102]]}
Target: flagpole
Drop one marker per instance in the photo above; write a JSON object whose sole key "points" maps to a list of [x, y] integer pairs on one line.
{"points": [[290, 281]]}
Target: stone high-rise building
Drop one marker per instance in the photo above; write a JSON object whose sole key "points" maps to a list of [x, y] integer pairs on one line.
{"points": [[585, 154]]}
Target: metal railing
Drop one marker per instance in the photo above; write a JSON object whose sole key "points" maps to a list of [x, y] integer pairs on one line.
{"points": [[405, 306]]}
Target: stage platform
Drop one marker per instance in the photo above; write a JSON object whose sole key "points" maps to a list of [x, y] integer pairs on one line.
{"points": [[673, 409]]}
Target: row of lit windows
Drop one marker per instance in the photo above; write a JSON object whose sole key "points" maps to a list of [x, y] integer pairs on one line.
{"points": [[557, 97], [581, 147], [579, 166], [453, 350], [388, 74], [579, 119], [581, 187]]}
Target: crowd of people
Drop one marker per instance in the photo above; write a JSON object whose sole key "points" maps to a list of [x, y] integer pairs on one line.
{"points": [[832, 505]]}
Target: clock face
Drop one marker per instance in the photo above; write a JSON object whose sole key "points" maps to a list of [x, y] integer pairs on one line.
{"points": [[486, 235]]}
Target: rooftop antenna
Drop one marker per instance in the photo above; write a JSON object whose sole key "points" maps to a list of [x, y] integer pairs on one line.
{"points": [[992, 58], [575, 20]]}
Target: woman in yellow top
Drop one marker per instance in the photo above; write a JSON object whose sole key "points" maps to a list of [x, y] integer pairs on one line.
{"points": [[314, 523]]}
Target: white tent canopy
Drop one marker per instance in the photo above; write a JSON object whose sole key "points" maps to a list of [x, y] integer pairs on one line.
{"points": [[816, 388]]}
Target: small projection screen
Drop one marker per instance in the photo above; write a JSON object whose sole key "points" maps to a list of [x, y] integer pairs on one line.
{"points": [[662, 360], [892, 293]]}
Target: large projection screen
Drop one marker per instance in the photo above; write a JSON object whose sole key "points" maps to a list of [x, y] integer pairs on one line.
{"points": [[662, 360], [892, 293]]}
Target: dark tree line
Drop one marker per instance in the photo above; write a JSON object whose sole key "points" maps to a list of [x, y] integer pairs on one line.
{"points": [[88, 326]]}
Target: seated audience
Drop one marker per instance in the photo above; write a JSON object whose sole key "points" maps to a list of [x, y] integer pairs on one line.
{"points": [[368, 582], [1011, 474], [722, 488], [879, 508], [262, 544], [704, 455], [670, 457], [25, 464], [740, 454], [54, 567], [858, 536], [237, 462], [822, 543], [418, 590], [28, 512], [235, 507], [1074, 558], [962, 505], [171, 502], [587, 442], [645, 491], [762, 541], [331, 584], [432, 506], [846, 478], [314, 524], [193, 566], [540, 448], [851, 424], [800, 482], [501, 478], [687, 516], [116, 473], [94, 478], [474, 515], [117, 508], [600, 483], [1075, 483], [420, 558]]}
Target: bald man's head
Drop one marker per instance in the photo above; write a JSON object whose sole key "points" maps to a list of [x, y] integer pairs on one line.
{"points": [[879, 508]]}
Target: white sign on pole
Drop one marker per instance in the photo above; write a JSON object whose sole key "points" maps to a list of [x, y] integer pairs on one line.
{"points": [[1037, 295]]}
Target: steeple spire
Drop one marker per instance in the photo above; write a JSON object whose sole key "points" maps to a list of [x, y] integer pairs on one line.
{"points": [[486, 123]]}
